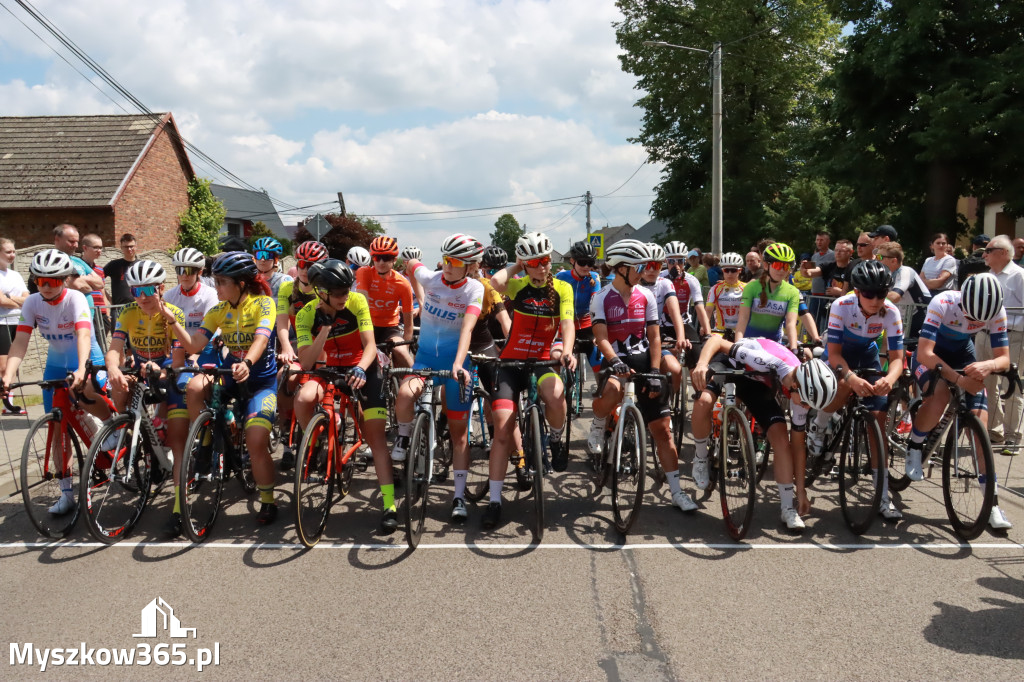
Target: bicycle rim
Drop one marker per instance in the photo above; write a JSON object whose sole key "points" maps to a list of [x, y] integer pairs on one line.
{"points": [[898, 420], [859, 497], [41, 475], [630, 471], [200, 479], [314, 482], [966, 491], [479, 467], [736, 473], [442, 446], [536, 462], [417, 480], [116, 483]]}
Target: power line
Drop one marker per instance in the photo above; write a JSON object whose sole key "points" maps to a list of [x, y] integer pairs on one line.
{"points": [[466, 210], [602, 196]]}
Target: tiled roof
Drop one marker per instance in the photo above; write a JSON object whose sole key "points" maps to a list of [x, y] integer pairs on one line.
{"points": [[69, 161], [245, 204]]}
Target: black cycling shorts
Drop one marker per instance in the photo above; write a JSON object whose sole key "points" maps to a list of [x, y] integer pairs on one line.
{"points": [[755, 395], [651, 409]]}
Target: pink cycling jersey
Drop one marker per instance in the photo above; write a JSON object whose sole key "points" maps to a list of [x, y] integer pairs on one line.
{"points": [[627, 322]]}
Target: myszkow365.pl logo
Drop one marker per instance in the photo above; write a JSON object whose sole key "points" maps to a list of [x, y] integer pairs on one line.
{"points": [[158, 621]]}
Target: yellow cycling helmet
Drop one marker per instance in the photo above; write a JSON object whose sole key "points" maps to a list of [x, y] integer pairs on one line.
{"points": [[779, 253]]}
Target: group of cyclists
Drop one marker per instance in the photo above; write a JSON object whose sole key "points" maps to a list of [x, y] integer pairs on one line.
{"points": [[646, 316]]}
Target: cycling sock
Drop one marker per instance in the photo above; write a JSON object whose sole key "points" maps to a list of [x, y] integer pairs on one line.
{"points": [[177, 500], [496, 491], [405, 429], [555, 434], [387, 494], [460, 482], [266, 493], [786, 494], [599, 421], [916, 437], [67, 488], [673, 481], [701, 448]]}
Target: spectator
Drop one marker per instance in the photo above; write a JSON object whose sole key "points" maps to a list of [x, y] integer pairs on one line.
{"points": [[821, 256], [714, 272], [13, 293], [800, 279], [939, 271], [115, 269], [836, 274], [752, 269], [1004, 419], [974, 263], [697, 269], [92, 248], [907, 287], [882, 235], [1018, 251], [65, 238], [865, 246]]}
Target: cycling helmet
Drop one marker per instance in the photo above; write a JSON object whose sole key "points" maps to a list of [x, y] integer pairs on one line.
{"points": [[816, 383], [268, 244], [51, 263], [533, 245], [384, 246], [981, 297], [145, 272], [779, 253], [359, 256], [463, 247], [731, 260], [657, 252], [234, 264], [188, 258], [582, 249], [627, 252], [871, 275], [676, 250], [311, 251], [495, 257], [332, 274], [410, 252]]}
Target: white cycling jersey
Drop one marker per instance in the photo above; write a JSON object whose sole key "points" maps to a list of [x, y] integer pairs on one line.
{"points": [[854, 331], [946, 325]]}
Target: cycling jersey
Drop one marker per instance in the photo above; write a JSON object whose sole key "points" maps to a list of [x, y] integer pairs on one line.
{"points": [[662, 289], [724, 303], [384, 295], [290, 300], [536, 317], [627, 321], [482, 331], [766, 320], [443, 310], [152, 339], [344, 347], [857, 333], [687, 290], [193, 305], [906, 282], [275, 280], [764, 355], [240, 327], [946, 325], [583, 289]]}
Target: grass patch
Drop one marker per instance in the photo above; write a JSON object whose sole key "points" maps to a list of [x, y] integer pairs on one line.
{"points": [[27, 400]]}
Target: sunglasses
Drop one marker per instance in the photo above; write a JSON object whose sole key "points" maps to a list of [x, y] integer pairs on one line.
{"points": [[538, 262], [863, 244], [673, 261], [337, 293], [993, 248], [872, 295], [183, 270], [49, 281], [778, 265], [148, 290], [586, 262], [303, 264], [654, 265], [264, 255], [455, 262], [730, 271], [384, 258]]}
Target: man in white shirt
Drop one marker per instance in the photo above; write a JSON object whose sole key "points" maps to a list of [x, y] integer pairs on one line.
{"points": [[1004, 417]]}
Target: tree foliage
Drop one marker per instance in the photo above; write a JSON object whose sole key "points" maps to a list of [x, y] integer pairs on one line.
{"points": [[346, 231], [506, 233], [203, 220]]}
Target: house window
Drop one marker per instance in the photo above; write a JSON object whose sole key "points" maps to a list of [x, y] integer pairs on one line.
{"points": [[235, 229]]}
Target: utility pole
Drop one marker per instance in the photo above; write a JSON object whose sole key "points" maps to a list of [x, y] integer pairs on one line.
{"points": [[341, 203], [716, 154], [590, 200]]}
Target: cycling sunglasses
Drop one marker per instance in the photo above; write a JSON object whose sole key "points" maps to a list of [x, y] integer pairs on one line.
{"points": [[325, 293], [586, 262], [49, 281], [653, 265], [674, 261], [538, 262], [304, 264], [779, 265], [148, 290], [185, 270], [384, 258], [871, 295], [455, 262], [264, 255], [730, 270]]}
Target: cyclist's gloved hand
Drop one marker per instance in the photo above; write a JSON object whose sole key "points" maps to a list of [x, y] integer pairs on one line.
{"points": [[620, 368], [358, 373], [655, 385]]}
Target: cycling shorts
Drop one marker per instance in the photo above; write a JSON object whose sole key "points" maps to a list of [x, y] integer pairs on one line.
{"points": [[651, 409], [261, 408], [458, 410], [56, 371], [955, 360], [385, 334], [511, 382], [373, 402], [866, 358], [755, 395]]}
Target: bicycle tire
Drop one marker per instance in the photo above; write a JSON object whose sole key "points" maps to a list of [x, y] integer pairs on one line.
{"points": [[737, 477], [859, 495], [242, 459], [114, 497], [40, 488], [967, 498], [678, 420], [314, 480], [898, 418], [200, 479], [533, 445], [762, 454], [443, 453], [417, 479], [630, 469]]}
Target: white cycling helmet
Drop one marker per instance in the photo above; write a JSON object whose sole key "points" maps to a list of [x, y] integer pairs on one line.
{"points": [[357, 255], [816, 383], [533, 245], [463, 247], [731, 260], [188, 258], [145, 272], [676, 250], [410, 252], [981, 297], [657, 251], [52, 263], [627, 252]]}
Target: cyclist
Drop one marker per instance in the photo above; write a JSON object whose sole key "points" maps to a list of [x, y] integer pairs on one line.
{"points": [[725, 297], [771, 303], [338, 329], [191, 296], [542, 307], [494, 259], [155, 330], [245, 318], [627, 335], [855, 321], [64, 320], [688, 292], [389, 295], [669, 316], [267, 251], [947, 339], [357, 257], [585, 283], [291, 298], [409, 253], [811, 384], [451, 306]]}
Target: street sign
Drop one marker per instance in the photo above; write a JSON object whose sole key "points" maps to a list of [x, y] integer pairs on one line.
{"points": [[597, 241], [318, 226]]}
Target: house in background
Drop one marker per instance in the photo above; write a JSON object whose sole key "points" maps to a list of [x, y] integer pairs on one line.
{"points": [[104, 174], [653, 231], [244, 208]]}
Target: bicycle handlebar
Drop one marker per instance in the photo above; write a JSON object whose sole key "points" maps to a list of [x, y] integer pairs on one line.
{"points": [[1011, 374]]}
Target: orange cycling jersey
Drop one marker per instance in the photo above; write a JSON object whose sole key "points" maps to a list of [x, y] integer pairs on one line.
{"points": [[384, 295]]}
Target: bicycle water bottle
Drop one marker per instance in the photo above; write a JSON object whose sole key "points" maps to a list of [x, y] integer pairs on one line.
{"points": [[91, 423], [160, 426], [716, 414]]}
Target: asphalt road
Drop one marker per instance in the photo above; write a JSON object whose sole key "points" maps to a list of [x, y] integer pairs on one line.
{"points": [[676, 600]]}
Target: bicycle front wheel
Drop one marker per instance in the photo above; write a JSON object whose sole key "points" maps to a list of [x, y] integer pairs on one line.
{"points": [[898, 423], [968, 483], [115, 483], [200, 479], [534, 446], [737, 477], [51, 458], [479, 455], [630, 469], [314, 481], [859, 494], [417, 479]]}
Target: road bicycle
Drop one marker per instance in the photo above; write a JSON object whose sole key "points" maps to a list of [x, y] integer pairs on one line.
{"points": [[479, 444], [899, 420]]}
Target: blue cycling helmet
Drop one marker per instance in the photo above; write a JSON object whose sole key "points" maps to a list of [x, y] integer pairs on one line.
{"points": [[234, 264], [268, 244]]}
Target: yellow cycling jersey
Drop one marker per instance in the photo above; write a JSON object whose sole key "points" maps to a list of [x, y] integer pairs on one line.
{"points": [[150, 336], [240, 326], [344, 347]]}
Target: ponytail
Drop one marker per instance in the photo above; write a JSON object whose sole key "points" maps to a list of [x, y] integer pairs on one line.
{"points": [[765, 279], [552, 294], [256, 285]]}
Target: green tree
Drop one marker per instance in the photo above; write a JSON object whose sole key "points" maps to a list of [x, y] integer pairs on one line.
{"points": [[372, 225], [506, 233], [203, 220], [346, 231]]}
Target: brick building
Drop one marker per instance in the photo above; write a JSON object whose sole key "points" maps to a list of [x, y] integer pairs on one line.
{"points": [[102, 174]]}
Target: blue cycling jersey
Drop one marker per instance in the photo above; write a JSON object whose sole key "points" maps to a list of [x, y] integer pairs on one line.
{"points": [[583, 290]]}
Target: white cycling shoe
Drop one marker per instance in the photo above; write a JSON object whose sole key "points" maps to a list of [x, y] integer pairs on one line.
{"points": [[684, 501], [700, 473], [997, 519], [914, 470], [595, 438], [792, 519]]}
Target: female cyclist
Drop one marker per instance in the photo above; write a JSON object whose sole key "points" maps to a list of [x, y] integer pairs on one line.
{"points": [[771, 303], [585, 283], [670, 318], [688, 292], [390, 297], [268, 251], [726, 297]]}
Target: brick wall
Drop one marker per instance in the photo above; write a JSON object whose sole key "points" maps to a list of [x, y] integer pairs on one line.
{"points": [[156, 194], [35, 226]]}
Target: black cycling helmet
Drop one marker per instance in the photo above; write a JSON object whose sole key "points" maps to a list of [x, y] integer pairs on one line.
{"points": [[332, 274], [234, 264], [495, 257], [582, 249], [871, 275]]}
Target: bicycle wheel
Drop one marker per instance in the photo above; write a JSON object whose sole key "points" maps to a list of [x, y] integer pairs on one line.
{"points": [[678, 420], [898, 420], [41, 476], [477, 485], [314, 481], [417, 479], [859, 496], [630, 469], [533, 445], [762, 454], [116, 483], [966, 489], [201, 478], [442, 445], [736, 473]]}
